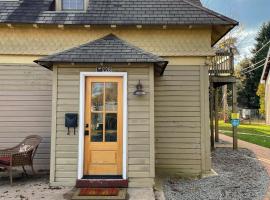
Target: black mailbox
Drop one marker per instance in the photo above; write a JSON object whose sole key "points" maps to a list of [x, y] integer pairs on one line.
{"points": [[71, 121]]}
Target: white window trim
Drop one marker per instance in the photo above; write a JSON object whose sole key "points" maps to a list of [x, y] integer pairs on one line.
{"points": [[58, 6], [83, 75]]}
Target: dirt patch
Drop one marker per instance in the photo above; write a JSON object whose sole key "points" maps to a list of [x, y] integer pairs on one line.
{"points": [[31, 188]]}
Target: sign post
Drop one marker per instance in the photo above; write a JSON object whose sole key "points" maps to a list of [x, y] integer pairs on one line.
{"points": [[235, 121]]}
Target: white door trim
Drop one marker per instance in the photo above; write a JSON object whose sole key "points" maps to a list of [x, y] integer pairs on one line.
{"points": [[81, 118]]}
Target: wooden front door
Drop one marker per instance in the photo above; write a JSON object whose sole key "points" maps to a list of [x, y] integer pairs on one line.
{"points": [[103, 126]]}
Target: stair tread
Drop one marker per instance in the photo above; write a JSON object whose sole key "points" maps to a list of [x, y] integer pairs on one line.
{"points": [[122, 195]]}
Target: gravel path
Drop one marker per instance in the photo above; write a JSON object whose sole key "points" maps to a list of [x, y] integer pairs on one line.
{"points": [[240, 177]]}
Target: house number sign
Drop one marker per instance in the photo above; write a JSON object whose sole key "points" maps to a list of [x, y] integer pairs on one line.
{"points": [[104, 69]]}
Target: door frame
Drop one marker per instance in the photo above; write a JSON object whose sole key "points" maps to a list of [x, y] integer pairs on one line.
{"points": [[83, 76]]}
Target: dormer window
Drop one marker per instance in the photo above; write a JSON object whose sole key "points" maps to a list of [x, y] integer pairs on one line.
{"points": [[73, 4]]}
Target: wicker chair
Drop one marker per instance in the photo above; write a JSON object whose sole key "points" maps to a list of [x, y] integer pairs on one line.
{"points": [[19, 155]]}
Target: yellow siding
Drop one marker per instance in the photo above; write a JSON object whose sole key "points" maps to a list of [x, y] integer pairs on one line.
{"points": [[178, 121], [25, 107], [44, 41], [139, 162]]}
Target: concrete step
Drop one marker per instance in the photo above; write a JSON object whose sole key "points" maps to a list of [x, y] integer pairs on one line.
{"points": [[102, 183], [92, 194]]}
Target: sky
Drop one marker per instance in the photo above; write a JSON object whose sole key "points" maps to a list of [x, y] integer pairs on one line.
{"points": [[251, 14]]}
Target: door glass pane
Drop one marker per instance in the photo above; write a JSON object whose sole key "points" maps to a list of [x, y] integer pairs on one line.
{"points": [[111, 127], [96, 127], [97, 96], [111, 96]]}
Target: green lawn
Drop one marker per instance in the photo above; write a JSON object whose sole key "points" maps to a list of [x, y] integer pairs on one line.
{"points": [[255, 133]]}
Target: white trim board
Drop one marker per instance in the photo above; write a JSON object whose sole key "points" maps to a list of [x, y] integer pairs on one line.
{"points": [[81, 118]]}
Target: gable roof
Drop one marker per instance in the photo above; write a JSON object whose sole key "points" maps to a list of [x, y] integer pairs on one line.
{"points": [[109, 49], [117, 12]]}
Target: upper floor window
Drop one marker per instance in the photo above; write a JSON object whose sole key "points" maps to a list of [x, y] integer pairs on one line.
{"points": [[73, 4]]}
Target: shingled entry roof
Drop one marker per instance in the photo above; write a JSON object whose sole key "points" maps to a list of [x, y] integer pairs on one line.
{"points": [[109, 49], [117, 12]]}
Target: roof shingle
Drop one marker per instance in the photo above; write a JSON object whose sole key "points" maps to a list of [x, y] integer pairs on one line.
{"points": [[118, 12]]}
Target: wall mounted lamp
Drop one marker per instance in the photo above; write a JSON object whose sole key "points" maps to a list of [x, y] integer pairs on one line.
{"points": [[139, 90]]}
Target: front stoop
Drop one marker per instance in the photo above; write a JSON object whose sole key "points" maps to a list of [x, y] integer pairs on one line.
{"points": [[106, 189], [122, 195], [102, 183]]}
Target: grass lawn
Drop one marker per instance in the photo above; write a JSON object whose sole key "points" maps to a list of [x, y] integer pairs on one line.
{"points": [[254, 133]]}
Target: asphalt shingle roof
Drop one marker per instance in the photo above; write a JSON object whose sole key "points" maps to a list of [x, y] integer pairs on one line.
{"points": [[109, 49], [118, 12]]}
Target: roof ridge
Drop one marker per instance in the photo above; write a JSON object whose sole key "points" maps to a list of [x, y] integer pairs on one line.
{"points": [[223, 17], [192, 1]]}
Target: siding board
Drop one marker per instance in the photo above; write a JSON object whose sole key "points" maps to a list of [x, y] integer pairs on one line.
{"points": [[139, 166], [178, 120], [25, 107]]}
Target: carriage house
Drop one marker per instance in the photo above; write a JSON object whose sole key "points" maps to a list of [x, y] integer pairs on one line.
{"points": [[117, 89]]}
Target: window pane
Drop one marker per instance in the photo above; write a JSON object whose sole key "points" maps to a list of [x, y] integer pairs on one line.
{"points": [[111, 96], [97, 96], [73, 4], [80, 4], [111, 127], [96, 127]]}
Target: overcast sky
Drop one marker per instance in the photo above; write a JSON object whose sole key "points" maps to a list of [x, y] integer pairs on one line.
{"points": [[251, 14]]}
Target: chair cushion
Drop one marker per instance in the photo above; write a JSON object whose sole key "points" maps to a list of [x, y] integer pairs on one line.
{"points": [[25, 147], [5, 160]]}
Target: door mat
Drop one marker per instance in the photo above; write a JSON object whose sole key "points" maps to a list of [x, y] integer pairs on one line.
{"points": [[102, 183], [99, 192]]}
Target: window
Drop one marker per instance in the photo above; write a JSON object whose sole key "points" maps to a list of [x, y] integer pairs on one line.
{"points": [[73, 4]]}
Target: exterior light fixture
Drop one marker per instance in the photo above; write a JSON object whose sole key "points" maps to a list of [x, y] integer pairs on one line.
{"points": [[139, 90]]}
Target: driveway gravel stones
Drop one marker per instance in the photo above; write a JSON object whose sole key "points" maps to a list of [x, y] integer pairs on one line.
{"points": [[240, 177]]}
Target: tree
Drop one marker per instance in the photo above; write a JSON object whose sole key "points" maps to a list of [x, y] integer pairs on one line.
{"points": [[247, 94], [261, 94], [242, 96]]}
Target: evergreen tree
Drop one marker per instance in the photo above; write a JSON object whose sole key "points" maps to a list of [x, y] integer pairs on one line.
{"points": [[247, 97]]}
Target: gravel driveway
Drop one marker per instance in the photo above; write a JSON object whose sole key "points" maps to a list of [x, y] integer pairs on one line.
{"points": [[240, 176]]}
